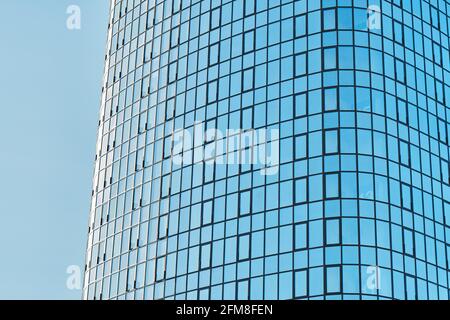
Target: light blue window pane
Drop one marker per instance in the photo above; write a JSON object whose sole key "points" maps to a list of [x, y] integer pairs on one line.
{"points": [[301, 284], [316, 281]]}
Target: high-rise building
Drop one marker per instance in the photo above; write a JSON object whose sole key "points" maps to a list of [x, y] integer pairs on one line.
{"points": [[273, 149]]}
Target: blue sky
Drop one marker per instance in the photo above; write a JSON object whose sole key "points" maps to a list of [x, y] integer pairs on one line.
{"points": [[50, 86]]}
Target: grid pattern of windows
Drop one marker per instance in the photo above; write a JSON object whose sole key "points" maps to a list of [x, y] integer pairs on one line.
{"points": [[363, 176]]}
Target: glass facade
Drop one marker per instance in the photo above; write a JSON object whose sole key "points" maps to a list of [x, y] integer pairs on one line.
{"points": [[358, 206]]}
